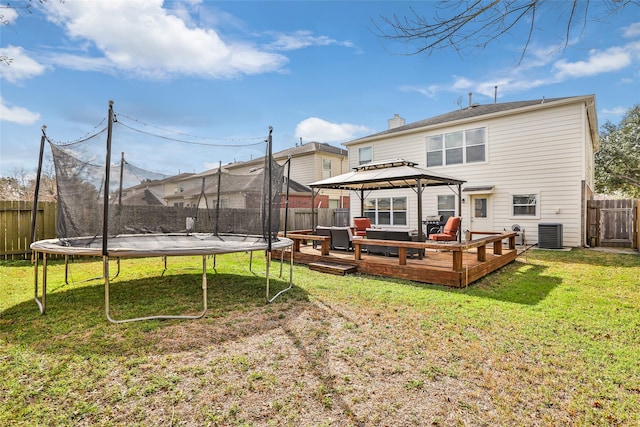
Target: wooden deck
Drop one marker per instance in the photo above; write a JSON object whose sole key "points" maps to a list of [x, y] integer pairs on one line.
{"points": [[451, 264]]}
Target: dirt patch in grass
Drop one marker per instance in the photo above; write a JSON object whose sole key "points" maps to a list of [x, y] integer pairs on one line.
{"points": [[302, 364]]}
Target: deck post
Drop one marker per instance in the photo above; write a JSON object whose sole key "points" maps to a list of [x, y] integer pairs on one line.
{"points": [[497, 247], [402, 255], [482, 253], [457, 260]]}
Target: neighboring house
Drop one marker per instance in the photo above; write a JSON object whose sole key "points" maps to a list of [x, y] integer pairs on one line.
{"points": [[524, 163], [310, 162], [235, 188], [153, 192]]}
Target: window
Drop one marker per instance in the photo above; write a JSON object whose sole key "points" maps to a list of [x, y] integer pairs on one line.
{"points": [[524, 205], [456, 148], [447, 206], [365, 155], [326, 168], [386, 210], [479, 207]]}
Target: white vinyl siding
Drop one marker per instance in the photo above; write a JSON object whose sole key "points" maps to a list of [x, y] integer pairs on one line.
{"points": [[539, 151]]}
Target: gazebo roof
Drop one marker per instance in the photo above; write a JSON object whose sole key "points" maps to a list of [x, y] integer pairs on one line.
{"points": [[397, 173]]}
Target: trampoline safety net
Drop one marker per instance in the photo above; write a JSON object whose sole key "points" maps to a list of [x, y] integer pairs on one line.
{"points": [[141, 201]]}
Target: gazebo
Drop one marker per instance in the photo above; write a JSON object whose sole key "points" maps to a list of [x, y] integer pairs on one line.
{"points": [[387, 174]]}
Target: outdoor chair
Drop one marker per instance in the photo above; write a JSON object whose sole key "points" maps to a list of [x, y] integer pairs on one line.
{"points": [[377, 234], [322, 231], [402, 236], [341, 238], [361, 224], [450, 232]]}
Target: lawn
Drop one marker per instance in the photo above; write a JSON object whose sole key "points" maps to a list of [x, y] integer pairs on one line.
{"points": [[551, 339]]}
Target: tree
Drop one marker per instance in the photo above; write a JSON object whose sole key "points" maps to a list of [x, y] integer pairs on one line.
{"points": [[617, 163], [473, 24], [8, 11]]}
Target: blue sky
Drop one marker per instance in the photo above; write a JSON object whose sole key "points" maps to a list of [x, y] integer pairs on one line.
{"points": [[314, 71]]}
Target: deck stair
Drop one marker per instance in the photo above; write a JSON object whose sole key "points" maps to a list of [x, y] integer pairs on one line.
{"points": [[333, 268]]}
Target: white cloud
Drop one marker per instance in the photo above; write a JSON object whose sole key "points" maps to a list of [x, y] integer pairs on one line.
{"points": [[7, 15], [18, 115], [617, 111], [429, 91], [21, 66], [143, 38], [612, 59], [315, 129], [302, 39], [632, 30]]}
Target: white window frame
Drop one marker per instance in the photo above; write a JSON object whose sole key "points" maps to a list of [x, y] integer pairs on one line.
{"points": [[464, 147], [326, 172], [360, 161], [373, 214], [512, 205], [445, 217]]}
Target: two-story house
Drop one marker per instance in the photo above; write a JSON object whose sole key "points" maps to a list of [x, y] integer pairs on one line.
{"points": [[524, 163], [308, 162]]}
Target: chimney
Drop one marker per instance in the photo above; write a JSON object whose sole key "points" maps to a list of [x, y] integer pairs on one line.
{"points": [[395, 122]]}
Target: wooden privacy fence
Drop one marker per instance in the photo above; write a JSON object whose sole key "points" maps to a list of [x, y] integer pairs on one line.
{"points": [[613, 223], [15, 226]]}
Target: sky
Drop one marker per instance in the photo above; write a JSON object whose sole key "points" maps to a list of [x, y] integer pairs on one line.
{"points": [[314, 71]]}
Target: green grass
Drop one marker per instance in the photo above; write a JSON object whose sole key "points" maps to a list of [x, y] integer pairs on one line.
{"points": [[551, 339]]}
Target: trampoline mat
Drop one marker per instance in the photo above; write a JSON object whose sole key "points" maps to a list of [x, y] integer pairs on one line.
{"points": [[142, 245]]}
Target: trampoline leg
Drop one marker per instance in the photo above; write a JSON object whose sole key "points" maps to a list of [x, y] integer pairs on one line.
{"points": [[107, 307], [290, 274], [42, 303], [268, 262], [66, 272]]}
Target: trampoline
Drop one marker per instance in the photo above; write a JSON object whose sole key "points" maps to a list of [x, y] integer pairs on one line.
{"points": [[138, 222]]}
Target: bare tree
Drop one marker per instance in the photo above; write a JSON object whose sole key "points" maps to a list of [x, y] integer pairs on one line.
{"points": [[18, 5], [468, 25]]}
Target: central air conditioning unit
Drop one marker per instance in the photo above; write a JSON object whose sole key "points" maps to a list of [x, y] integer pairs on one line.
{"points": [[550, 236]]}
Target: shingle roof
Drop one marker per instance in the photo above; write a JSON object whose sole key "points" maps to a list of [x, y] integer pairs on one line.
{"points": [[476, 110], [310, 147]]}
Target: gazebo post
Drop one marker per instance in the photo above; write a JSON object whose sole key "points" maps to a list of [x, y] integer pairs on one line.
{"points": [[313, 210], [420, 231], [362, 202], [460, 209]]}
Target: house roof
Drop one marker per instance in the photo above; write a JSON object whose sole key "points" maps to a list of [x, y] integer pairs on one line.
{"points": [[475, 111], [241, 182], [298, 150], [141, 198], [396, 173], [310, 147]]}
